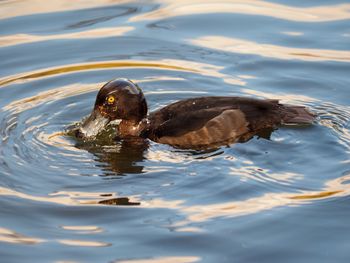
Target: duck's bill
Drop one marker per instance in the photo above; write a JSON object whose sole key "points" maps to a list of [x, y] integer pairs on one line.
{"points": [[93, 125]]}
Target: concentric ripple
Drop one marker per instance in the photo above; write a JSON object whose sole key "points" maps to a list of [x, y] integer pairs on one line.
{"points": [[34, 136], [276, 197]]}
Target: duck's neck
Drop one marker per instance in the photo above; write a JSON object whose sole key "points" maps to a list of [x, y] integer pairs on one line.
{"points": [[128, 128]]}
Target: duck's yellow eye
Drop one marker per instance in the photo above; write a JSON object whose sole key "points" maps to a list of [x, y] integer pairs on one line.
{"points": [[110, 99]]}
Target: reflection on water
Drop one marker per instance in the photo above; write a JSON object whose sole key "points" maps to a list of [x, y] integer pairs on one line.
{"points": [[271, 51], [119, 158], [10, 236], [161, 260], [118, 201], [84, 229], [83, 243], [101, 32], [183, 7], [139, 201], [19, 8], [251, 7], [104, 65], [75, 198], [198, 213], [167, 64]]}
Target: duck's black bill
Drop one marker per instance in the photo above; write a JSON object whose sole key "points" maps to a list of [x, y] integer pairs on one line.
{"points": [[93, 125]]}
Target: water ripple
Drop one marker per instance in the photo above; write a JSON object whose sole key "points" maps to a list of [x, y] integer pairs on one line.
{"points": [[18, 39], [271, 51], [7, 235], [36, 7], [251, 7], [161, 260], [82, 198]]}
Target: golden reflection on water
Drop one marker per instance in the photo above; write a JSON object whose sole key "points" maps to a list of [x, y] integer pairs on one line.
{"points": [[83, 243], [268, 50], [199, 213], [178, 259], [316, 196], [17, 39], [30, 7], [172, 8], [83, 229], [65, 197], [189, 230], [9, 236], [160, 64], [163, 64], [268, 201]]}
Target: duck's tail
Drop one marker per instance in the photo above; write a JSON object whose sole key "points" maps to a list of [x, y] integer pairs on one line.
{"points": [[297, 115]]}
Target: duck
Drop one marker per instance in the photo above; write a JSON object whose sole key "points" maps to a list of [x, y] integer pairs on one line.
{"points": [[194, 123]]}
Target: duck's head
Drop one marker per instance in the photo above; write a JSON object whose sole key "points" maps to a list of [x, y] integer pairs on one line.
{"points": [[117, 100]]}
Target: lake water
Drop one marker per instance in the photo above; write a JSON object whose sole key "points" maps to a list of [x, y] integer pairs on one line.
{"points": [[280, 200]]}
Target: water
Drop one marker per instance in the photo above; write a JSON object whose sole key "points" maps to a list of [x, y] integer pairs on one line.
{"points": [[280, 200]]}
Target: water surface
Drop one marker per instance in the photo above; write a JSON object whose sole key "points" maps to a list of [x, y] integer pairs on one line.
{"points": [[280, 200]]}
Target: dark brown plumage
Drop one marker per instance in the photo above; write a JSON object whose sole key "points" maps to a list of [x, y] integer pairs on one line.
{"points": [[192, 123]]}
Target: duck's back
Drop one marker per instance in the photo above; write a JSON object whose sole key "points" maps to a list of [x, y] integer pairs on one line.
{"points": [[207, 121]]}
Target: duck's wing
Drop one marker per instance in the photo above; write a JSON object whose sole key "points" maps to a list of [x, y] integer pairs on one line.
{"points": [[192, 114], [202, 128], [212, 120], [206, 121]]}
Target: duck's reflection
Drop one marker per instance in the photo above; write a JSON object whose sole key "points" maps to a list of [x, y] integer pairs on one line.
{"points": [[118, 157], [121, 157]]}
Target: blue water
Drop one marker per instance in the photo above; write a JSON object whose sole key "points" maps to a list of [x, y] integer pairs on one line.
{"points": [[280, 200]]}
